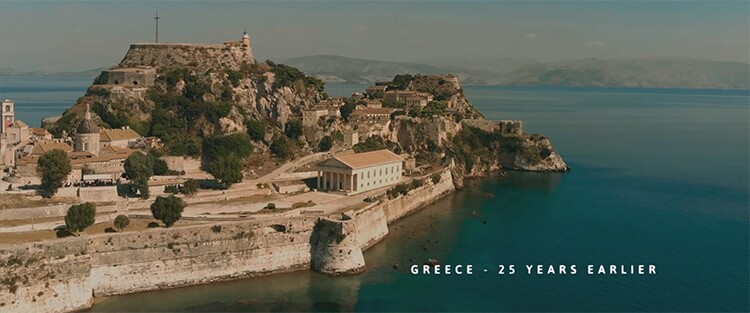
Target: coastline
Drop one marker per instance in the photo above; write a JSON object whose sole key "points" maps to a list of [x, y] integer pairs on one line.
{"points": [[82, 269]]}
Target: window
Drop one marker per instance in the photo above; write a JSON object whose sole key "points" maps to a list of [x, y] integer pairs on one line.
{"points": [[7, 108]]}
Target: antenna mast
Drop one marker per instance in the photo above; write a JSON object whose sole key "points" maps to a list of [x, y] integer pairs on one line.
{"points": [[157, 25]]}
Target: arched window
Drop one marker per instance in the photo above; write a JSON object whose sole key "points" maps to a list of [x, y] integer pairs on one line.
{"points": [[117, 82], [7, 108]]}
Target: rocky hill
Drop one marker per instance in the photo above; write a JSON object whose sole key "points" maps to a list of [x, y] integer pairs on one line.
{"points": [[194, 92], [203, 101]]}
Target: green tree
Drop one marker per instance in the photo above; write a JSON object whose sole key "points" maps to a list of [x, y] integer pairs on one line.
{"points": [[53, 168], [190, 187], [227, 169], [167, 209], [160, 166], [80, 216], [139, 168], [347, 109], [222, 146], [293, 129], [121, 221], [281, 148], [325, 144], [435, 108], [256, 129]]}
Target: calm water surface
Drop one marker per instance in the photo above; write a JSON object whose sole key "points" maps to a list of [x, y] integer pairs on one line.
{"points": [[659, 177]]}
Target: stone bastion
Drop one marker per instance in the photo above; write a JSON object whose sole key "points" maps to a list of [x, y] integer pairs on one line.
{"points": [[65, 275]]}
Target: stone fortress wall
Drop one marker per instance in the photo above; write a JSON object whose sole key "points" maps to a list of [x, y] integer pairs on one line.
{"points": [[229, 55], [64, 275], [133, 77]]}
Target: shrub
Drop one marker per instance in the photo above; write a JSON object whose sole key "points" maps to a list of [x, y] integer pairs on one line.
{"points": [[234, 77], [190, 187], [256, 129], [216, 228], [171, 189], [436, 178], [80, 216], [293, 129], [416, 183], [121, 221], [167, 209], [271, 206], [53, 168], [347, 109], [281, 148], [325, 144]]}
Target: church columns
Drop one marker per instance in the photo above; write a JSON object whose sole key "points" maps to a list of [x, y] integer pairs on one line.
{"points": [[317, 175]]}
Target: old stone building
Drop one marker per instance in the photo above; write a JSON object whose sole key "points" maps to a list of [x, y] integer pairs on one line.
{"points": [[371, 114], [511, 127], [131, 77], [359, 172], [120, 137], [7, 115], [87, 135], [311, 116]]}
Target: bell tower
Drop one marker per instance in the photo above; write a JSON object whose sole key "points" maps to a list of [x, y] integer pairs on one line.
{"points": [[7, 115]]}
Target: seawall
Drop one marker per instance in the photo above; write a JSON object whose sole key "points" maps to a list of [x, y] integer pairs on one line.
{"points": [[66, 274]]}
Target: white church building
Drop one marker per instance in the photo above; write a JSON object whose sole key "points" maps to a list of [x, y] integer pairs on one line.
{"points": [[359, 172]]}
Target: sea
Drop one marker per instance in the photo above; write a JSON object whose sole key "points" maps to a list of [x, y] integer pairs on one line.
{"points": [[659, 178]]}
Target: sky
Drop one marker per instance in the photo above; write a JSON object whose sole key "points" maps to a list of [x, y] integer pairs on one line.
{"points": [[78, 35]]}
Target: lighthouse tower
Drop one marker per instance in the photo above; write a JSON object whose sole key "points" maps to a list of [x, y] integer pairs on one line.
{"points": [[7, 115], [248, 48]]}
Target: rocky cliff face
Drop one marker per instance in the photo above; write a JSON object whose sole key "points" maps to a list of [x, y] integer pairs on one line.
{"points": [[198, 91], [450, 130]]}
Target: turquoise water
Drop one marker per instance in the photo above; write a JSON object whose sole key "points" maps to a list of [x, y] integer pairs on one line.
{"points": [[659, 177]]}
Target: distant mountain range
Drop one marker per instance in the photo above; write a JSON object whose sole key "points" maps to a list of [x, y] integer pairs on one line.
{"points": [[646, 72], [88, 73]]}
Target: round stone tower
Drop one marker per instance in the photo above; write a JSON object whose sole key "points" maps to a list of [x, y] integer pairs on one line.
{"points": [[87, 135], [336, 250]]}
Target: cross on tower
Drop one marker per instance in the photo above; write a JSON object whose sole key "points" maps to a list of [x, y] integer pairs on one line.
{"points": [[157, 25]]}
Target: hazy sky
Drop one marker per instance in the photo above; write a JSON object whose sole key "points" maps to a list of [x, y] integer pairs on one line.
{"points": [[68, 35]]}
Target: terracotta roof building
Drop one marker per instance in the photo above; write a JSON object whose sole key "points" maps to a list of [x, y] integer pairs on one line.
{"points": [[359, 172], [120, 137]]}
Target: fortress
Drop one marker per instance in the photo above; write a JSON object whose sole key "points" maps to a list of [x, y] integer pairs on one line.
{"points": [[138, 69], [65, 275], [229, 55]]}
